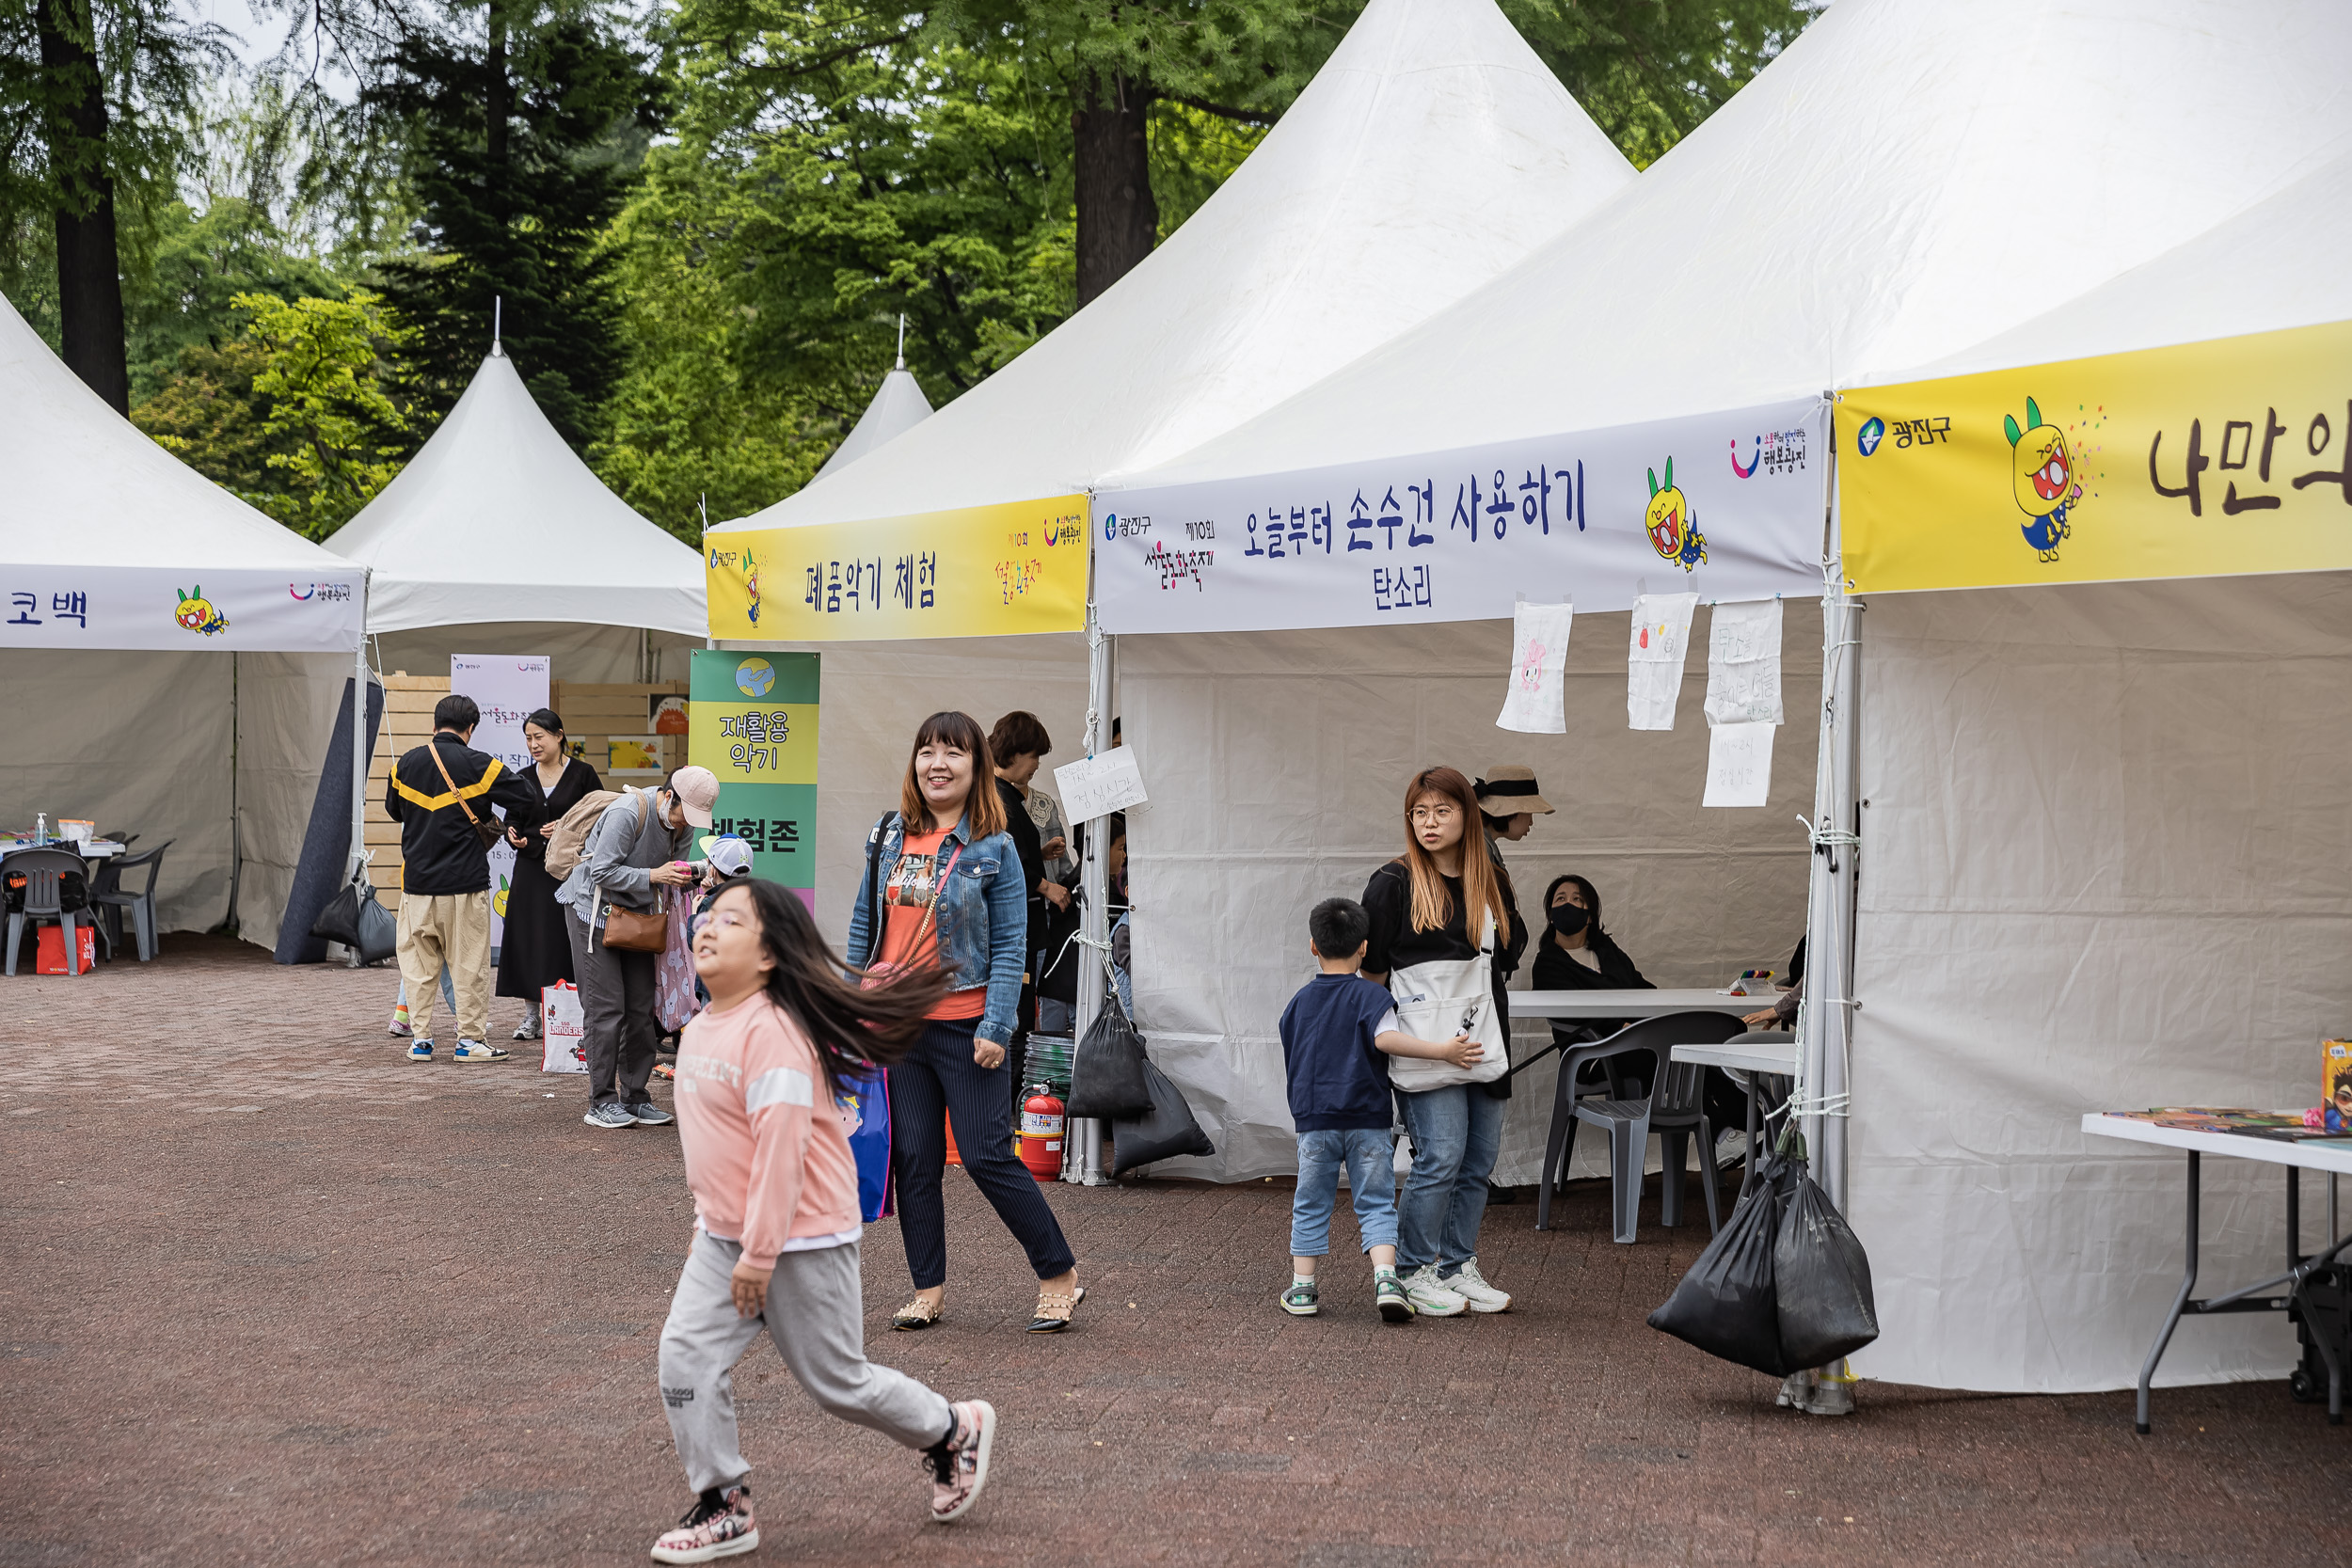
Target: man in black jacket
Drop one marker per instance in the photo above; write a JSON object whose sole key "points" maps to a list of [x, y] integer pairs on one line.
{"points": [[437, 793]]}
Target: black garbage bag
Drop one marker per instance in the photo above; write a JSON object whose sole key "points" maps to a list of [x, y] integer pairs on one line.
{"points": [[1822, 1279], [1163, 1134], [1727, 1305], [354, 918], [1106, 1076]]}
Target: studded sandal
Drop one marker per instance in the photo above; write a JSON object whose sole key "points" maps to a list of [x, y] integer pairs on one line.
{"points": [[918, 1314], [1054, 1308]]}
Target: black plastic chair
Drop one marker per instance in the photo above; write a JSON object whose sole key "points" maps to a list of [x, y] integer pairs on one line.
{"points": [[46, 873], [1673, 1109], [109, 896]]}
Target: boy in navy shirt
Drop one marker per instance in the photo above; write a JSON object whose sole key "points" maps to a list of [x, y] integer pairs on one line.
{"points": [[1337, 1034]]}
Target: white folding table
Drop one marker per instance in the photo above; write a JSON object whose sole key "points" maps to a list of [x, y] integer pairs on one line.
{"points": [[2317, 1288], [1633, 1003]]}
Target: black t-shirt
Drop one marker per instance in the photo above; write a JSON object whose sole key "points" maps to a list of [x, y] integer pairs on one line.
{"points": [[1394, 942]]}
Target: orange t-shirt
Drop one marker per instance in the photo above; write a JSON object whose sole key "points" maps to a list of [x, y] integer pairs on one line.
{"points": [[906, 899]]}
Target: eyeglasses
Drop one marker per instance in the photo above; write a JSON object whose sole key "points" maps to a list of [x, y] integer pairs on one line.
{"points": [[715, 917]]}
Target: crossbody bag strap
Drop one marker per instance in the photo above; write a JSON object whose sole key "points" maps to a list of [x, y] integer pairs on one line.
{"points": [[873, 887], [443, 766]]}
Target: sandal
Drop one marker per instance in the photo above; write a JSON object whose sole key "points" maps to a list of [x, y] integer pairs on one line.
{"points": [[1053, 1310], [920, 1313]]}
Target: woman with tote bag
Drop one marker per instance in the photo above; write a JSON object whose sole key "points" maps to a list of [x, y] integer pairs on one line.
{"points": [[1445, 935]]}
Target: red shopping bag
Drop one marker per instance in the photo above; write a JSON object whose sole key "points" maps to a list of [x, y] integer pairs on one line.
{"points": [[49, 949]]}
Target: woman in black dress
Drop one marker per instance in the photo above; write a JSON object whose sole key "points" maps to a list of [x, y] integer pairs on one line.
{"points": [[535, 951]]}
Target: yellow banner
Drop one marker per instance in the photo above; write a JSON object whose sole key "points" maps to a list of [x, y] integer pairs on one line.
{"points": [[2209, 459], [982, 571]]}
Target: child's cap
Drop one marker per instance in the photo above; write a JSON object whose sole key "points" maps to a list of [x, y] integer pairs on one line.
{"points": [[730, 854]]}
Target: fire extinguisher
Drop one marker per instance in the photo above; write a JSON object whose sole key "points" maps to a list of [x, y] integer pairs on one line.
{"points": [[1041, 1124]]}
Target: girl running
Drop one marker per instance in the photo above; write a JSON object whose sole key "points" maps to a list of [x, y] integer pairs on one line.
{"points": [[776, 1218]]}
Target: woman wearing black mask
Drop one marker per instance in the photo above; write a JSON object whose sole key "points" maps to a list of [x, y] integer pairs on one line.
{"points": [[1577, 955]]}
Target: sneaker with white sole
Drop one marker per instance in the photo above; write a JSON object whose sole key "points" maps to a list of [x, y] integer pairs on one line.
{"points": [[647, 1113], [1473, 1288], [959, 1463], [719, 1524], [478, 1051], [1304, 1299], [1430, 1298], [611, 1115], [527, 1030], [399, 1025], [1388, 1295], [421, 1052]]}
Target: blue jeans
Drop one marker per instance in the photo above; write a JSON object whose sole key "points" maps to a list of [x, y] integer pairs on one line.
{"points": [[1371, 1161], [1456, 1134], [448, 993]]}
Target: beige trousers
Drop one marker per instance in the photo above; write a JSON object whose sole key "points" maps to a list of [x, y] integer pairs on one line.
{"points": [[453, 928]]}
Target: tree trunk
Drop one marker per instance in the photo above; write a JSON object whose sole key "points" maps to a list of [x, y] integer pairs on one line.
{"points": [[89, 275], [1117, 220]]}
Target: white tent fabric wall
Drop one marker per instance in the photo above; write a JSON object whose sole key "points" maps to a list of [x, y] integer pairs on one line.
{"points": [[287, 705], [872, 695], [596, 655], [897, 407], [1277, 763], [2108, 864]]}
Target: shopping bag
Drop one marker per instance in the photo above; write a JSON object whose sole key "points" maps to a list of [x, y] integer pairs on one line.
{"points": [[1163, 1132], [1727, 1305], [1106, 1078], [354, 918], [1822, 1279], [49, 949], [865, 1109], [563, 1028], [674, 999]]}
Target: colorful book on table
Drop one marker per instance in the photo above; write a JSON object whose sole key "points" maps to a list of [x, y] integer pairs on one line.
{"points": [[2279, 1126]]}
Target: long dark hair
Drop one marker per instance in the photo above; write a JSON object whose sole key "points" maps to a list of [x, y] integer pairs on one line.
{"points": [[1591, 902], [849, 1029], [983, 808]]}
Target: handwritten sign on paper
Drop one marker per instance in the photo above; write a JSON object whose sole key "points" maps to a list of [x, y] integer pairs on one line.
{"points": [[1744, 664], [1661, 638], [1100, 784], [1534, 704], [1738, 765]]}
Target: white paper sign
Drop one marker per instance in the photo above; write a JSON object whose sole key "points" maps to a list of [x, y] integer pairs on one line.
{"points": [[1738, 765], [1744, 664], [508, 689], [1100, 784], [1539, 654], [1728, 505], [1654, 655]]}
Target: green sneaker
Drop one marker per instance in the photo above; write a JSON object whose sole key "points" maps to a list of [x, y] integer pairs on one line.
{"points": [[1387, 1294], [1302, 1301]]}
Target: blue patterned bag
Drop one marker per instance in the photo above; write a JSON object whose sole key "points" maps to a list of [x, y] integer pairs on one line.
{"points": [[866, 1104]]}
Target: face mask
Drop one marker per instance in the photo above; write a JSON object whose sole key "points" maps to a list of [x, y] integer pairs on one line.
{"points": [[1567, 919]]}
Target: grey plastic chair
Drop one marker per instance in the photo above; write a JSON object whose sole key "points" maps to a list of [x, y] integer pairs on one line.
{"points": [[45, 872], [109, 896], [1673, 1110]]}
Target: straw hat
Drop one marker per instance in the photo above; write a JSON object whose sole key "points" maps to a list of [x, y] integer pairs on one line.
{"points": [[1510, 789]]}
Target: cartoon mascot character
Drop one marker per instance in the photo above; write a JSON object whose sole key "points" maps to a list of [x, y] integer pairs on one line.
{"points": [[2044, 470], [1673, 532], [197, 613]]}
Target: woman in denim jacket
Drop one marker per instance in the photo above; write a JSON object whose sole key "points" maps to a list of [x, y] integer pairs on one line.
{"points": [[943, 886]]}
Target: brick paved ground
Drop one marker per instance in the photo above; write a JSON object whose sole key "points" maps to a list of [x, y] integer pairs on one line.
{"points": [[277, 1296]]}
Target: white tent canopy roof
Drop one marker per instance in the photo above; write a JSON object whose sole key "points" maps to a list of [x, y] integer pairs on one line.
{"points": [[498, 520], [85, 486], [1431, 151], [1908, 178], [897, 407]]}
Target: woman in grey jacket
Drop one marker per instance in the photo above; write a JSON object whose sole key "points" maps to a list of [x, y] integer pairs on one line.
{"points": [[631, 852]]}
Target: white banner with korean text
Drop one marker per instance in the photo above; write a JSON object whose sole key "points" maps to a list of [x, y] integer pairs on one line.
{"points": [[508, 689], [163, 607], [1728, 506]]}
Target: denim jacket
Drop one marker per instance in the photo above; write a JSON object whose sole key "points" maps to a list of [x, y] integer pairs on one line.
{"points": [[981, 919]]}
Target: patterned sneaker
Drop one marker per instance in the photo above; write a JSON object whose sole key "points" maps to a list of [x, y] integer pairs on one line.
{"points": [[647, 1113], [478, 1051], [1388, 1294], [1302, 1301], [610, 1116], [1430, 1299], [960, 1463], [400, 1022], [719, 1524], [528, 1029], [421, 1052], [1473, 1288]]}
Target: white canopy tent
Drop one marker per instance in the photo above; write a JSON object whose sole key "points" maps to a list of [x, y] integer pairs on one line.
{"points": [[2108, 870], [172, 661], [897, 407], [496, 538], [1432, 150], [1907, 178]]}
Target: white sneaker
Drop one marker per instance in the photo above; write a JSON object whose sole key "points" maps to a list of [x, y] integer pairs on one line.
{"points": [[1430, 1299], [1473, 1288]]}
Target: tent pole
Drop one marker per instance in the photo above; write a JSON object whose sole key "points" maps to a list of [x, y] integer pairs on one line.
{"points": [[1083, 1140], [359, 734], [236, 826]]}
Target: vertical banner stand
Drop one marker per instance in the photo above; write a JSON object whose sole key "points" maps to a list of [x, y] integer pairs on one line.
{"points": [[1081, 1159]]}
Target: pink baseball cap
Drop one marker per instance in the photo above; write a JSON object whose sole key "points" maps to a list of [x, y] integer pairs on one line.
{"points": [[697, 791]]}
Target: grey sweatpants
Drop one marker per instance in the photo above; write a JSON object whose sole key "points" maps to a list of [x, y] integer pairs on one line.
{"points": [[817, 1316]]}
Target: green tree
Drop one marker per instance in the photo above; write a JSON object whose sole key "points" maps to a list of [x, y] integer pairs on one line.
{"points": [[332, 429]]}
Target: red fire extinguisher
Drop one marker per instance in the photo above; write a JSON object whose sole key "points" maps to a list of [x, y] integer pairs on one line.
{"points": [[1040, 1133]]}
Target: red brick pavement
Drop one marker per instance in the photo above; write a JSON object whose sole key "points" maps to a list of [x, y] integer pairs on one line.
{"points": [[277, 1296]]}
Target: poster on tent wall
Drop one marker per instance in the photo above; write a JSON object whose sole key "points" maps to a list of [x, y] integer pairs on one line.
{"points": [[508, 689], [982, 571], [165, 607], [1727, 506], [751, 720], [2205, 460]]}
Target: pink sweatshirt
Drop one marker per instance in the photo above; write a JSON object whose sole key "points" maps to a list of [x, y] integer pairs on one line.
{"points": [[765, 1166]]}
